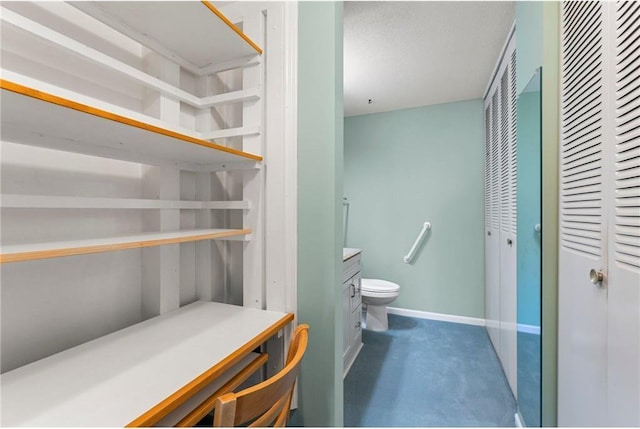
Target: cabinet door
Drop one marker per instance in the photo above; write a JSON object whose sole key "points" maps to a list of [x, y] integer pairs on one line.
{"points": [[352, 310], [356, 328], [346, 318], [356, 292], [582, 319]]}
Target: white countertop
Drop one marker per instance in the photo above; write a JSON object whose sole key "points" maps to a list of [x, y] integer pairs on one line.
{"points": [[114, 379], [349, 253]]}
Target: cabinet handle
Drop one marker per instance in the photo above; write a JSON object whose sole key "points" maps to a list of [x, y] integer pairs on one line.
{"points": [[509, 241], [353, 293], [358, 324]]}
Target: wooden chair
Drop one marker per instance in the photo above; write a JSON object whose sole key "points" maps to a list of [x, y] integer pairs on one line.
{"points": [[267, 403]]}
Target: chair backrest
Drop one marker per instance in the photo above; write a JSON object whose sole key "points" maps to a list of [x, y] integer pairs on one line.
{"points": [[267, 403]]}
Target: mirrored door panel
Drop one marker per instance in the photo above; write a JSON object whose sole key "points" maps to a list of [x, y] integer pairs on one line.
{"points": [[529, 146]]}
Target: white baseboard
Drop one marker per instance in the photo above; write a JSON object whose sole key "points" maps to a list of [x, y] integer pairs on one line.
{"points": [[437, 316], [519, 423], [529, 329]]}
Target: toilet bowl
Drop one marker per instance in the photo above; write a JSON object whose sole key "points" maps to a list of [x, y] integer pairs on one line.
{"points": [[377, 294]]}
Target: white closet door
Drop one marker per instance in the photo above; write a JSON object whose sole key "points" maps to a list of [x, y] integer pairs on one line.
{"points": [[493, 235], [507, 242], [582, 347], [492, 260], [624, 225], [500, 213]]}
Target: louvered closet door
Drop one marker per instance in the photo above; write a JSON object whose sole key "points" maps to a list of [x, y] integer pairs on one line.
{"points": [[582, 359], [507, 242], [624, 224], [492, 220], [500, 213]]}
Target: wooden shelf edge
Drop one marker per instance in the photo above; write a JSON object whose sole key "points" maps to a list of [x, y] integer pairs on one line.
{"points": [[125, 245], [231, 25], [54, 99], [159, 411]]}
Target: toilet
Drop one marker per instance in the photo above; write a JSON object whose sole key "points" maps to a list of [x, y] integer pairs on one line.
{"points": [[377, 294]]}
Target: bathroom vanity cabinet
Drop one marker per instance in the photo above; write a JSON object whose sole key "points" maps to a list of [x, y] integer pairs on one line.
{"points": [[351, 306]]}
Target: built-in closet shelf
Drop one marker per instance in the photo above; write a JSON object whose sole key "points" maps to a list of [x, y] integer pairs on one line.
{"points": [[34, 117], [63, 202], [195, 35], [33, 251]]}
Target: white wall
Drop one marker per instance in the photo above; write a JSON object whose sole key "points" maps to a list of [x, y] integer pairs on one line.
{"points": [[50, 305]]}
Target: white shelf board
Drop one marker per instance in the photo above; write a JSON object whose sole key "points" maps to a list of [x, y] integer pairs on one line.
{"points": [[194, 34], [231, 132], [114, 379], [251, 94], [34, 117], [50, 36], [70, 202], [11, 18], [33, 251]]}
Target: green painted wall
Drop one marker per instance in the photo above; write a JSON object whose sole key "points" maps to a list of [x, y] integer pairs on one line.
{"points": [[538, 36], [528, 41], [406, 167], [320, 152]]}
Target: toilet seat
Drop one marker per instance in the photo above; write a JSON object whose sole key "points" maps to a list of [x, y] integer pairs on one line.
{"points": [[380, 288]]}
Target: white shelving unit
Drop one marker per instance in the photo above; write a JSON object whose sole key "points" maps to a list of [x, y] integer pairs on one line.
{"points": [[133, 179]]}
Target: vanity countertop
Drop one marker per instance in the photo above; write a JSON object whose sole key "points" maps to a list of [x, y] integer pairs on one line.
{"points": [[348, 253]]}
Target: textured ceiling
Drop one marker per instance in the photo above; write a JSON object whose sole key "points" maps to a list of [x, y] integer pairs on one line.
{"points": [[417, 53]]}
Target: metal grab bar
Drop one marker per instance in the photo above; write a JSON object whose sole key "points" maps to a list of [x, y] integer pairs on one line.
{"points": [[425, 227]]}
